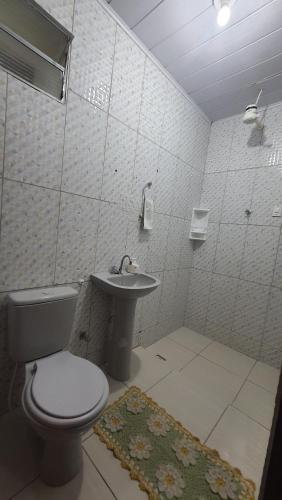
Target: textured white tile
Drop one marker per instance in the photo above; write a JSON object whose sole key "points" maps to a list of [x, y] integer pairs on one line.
{"points": [[127, 80], [237, 198], [138, 239], [145, 169], [3, 90], [271, 355], [198, 297], [173, 353], [212, 194], [201, 143], [257, 403], [265, 376], [266, 195], [190, 146], [92, 52], [85, 138], [271, 150], [167, 302], [199, 413], [245, 149], [187, 248], [172, 123], [242, 442], [158, 244], [217, 332], [153, 102], [77, 238], [222, 300], [193, 193], [181, 294], [250, 310], [146, 370], [28, 238], [277, 277], [152, 334], [182, 186], [165, 182], [34, 136], [119, 163], [273, 332], [229, 359], [220, 145], [260, 253], [174, 243], [150, 305], [62, 10], [229, 251], [204, 252], [246, 344], [111, 237], [189, 339], [80, 328]]}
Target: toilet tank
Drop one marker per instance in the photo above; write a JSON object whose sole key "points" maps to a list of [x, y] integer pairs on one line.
{"points": [[40, 321]]}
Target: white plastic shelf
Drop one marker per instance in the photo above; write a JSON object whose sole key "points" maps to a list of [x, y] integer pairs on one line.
{"points": [[199, 224]]}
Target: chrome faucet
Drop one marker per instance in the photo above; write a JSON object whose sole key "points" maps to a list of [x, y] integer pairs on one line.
{"points": [[122, 261]]}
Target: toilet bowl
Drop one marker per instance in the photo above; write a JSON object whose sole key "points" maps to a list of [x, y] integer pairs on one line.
{"points": [[63, 394]]}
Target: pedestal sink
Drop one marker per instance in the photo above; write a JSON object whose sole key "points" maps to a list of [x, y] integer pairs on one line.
{"points": [[125, 289]]}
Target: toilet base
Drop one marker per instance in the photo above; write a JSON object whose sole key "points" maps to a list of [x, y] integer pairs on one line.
{"points": [[61, 460]]}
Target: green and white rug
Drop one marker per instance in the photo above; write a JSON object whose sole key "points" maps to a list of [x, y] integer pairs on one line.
{"points": [[166, 459]]}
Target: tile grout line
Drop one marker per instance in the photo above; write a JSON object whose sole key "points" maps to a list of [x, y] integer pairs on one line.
{"points": [[4, 154], [23, 488], [96, 468]]}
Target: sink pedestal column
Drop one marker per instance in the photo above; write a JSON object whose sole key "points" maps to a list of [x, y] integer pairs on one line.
{"points": [[120, 340]]}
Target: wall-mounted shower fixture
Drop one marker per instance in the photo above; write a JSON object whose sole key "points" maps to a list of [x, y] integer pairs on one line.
{"points": [[251, 114]]}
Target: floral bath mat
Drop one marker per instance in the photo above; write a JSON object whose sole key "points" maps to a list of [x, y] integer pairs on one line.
{"points": [[166, 459]]}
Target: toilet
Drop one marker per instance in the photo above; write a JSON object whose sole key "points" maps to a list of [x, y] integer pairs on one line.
{"points": [[63, 394]]}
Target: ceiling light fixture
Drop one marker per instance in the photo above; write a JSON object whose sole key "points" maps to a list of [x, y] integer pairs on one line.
{"points": [[223, 8]]}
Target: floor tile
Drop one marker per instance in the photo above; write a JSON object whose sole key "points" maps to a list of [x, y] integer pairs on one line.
{"points": [[110, 468], [265, 375], [187, 404], [87, 484], [257, 403], [146, 370], [116, 387], [19, 454], [190, 339], [242, 442], [212, 381], [228, 358], [175, 355]]}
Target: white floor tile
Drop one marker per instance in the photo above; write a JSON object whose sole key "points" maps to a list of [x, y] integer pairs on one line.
{"points": [[228, 358], [87, 485], [242, 442], [19, 454], [257, 403], [116, 389], [110, 468], [190, 339], [265, 375], [187, 404], [212, 381], [175, 355], [146, 370]]}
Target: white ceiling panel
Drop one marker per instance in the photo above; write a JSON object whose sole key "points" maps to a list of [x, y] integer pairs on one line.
{"points": [[170, 16], [132, 11]]}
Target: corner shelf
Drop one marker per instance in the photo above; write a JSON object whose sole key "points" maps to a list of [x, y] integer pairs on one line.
{"points": [[199, 224]]}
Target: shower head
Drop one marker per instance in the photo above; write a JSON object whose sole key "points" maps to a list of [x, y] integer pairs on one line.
{"points": [[251, 114]]}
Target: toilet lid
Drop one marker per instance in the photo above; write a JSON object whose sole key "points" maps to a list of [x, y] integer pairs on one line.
{"points": [[66, 386]]}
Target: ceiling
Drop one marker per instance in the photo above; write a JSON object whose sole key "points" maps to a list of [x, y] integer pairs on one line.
{"points": [[221, 68]]}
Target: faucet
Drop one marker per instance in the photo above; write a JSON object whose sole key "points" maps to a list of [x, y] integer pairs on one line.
{"points": [[118, 270]]}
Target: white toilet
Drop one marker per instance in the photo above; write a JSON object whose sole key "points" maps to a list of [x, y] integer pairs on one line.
{"points": [[63, 394]]}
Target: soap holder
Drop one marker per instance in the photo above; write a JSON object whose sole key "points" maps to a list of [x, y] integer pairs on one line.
{"points": [[199, 224]]}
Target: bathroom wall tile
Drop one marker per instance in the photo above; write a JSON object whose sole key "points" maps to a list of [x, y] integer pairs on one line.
{"points": [[271, 355], [145, 169], [111, 237], [172, 122], [222, 300], [100, 311], [193, 191], [181, 294], [127, 83], [150, 305], [271, 150], [246, 344], [80, 330], [201, 144], [158, 244], [28, 236], [167, 301], [250, 309], [182, 186], [245, 149], [34, 136], [277, 277], [165, 182], [188, 141], [218, 333], [238, 196], [119, 163], [92, 53], [77, 238], [187, 247], [153, 102], [85, 137], [204, 251], [174, 243], [62, 10], [260, 254], [198, 298], [212, 194], [273, 333], [230, 248], [266, 195], [220, 145], [138, 239], [3, 90]]}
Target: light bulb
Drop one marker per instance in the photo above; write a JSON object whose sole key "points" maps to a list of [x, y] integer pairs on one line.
{"points": [[223, 15]]}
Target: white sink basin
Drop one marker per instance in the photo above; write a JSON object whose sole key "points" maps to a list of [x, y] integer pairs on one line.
{"points": [[128, 286]]}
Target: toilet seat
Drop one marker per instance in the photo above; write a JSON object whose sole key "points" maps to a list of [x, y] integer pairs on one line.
{"points": [[65, 391]]}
